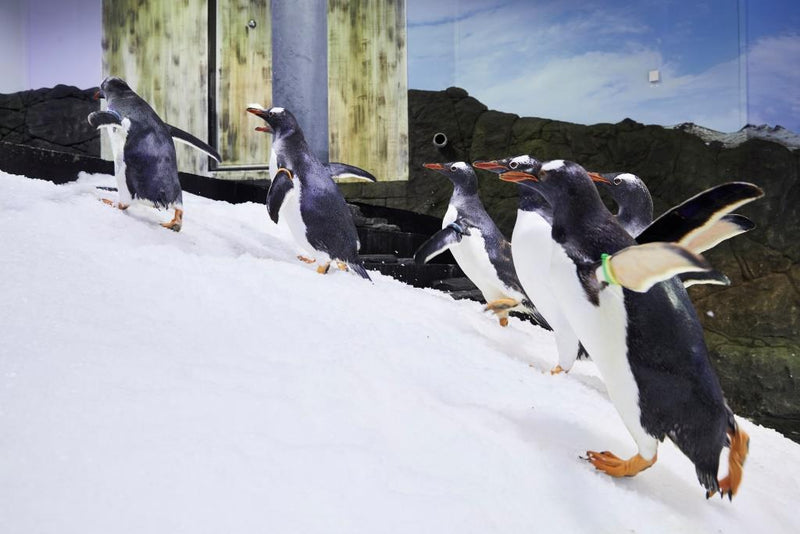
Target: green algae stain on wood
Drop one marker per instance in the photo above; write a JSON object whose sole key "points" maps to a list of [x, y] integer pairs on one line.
{"points": [[161, 50], [367, 86], [244, 76]]}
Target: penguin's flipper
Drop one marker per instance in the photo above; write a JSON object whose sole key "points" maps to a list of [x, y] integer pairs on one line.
{"points": [[439, 242], [108, 118], [281, 184], [697, 214], [640, 267], [188, 139], [725, 228], [715, 278], [343, 170]]}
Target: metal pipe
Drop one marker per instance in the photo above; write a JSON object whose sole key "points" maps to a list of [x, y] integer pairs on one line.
{"points": [[440, 140]]}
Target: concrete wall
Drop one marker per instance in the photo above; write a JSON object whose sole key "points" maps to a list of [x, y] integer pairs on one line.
{"points": [[13, 46], [44, 43]]}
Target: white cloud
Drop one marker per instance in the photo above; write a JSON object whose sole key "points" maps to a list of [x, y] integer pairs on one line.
{"points": [[774, 81]]}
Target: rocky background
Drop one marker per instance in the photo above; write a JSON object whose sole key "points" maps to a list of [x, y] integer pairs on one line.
{"points": [[752, 327], [51, 118]]}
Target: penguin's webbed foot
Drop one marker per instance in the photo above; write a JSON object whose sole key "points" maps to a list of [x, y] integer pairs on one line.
{"points": [[342, 266], [118, 205], [305, 259], [176, 222], [323, 269], [501, 305], [740, 446], [557, 370], [614, 466]]}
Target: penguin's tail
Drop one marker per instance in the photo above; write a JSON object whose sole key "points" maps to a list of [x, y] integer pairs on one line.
{"points": [[359, 269]]}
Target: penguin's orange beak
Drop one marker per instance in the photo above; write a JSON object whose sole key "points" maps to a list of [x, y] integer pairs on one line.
{"points": [[488, 165], [596, 177], [433, 166], [517, 176], [258, 112], [98, 95], [265, 129]]}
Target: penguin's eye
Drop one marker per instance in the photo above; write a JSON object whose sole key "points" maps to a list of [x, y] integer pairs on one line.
{"points": [[513, 165], [453, 168], [617, 180]]}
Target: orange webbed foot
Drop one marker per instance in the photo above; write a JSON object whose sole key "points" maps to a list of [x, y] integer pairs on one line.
{"points": [[740, 446], [305, 259], [614, 466], [501, 305], [323, 269], [557, 370], [176, 222]]}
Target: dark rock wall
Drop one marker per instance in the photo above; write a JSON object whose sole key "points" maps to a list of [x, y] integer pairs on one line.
{"points": [[752, 327], [51, 118]]}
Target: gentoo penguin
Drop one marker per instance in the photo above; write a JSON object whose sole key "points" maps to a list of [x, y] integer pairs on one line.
{"points": [[477, 245], [530, 250], [634, 203], [281, 189], [635, 212], [145, 165], [321, 222], [638, 324]]}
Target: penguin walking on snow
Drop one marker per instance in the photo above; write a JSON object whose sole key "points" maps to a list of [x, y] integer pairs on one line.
{"points": [[320, 220], [531, 238], [530, 250], [478, 246], [280, 196], [638, 324], [145, 164]]}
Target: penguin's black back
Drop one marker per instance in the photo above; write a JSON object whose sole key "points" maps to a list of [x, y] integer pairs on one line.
{"points": [[151, 168], [328, 220], [679, 393]]}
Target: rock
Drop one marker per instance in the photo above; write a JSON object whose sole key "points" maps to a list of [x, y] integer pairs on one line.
{"points": [[54, 119]]}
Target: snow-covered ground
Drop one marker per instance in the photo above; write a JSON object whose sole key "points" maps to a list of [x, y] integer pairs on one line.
{"points": [[207, 381]]}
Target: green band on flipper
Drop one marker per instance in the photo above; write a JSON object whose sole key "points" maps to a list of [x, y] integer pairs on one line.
{"points": [[609, 276]]}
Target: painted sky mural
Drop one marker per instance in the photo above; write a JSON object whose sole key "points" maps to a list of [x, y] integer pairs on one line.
{"points": [[722, 63]]}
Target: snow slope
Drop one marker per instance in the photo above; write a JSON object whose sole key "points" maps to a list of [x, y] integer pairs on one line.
{"points": [[207, 381]]}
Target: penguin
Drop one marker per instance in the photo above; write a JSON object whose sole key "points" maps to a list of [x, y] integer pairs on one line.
{"points": [[636, 320], [530, 251], [477, 245], [281, 190], [635, 212], [145, 165], [633, 199], [531, 255], [320, 220]]}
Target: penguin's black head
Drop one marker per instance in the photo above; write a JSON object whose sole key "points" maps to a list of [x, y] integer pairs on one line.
{"points": [[517, 169], [626, 189], [458, 172], [558, 180], [112, 87], [279, 120]]}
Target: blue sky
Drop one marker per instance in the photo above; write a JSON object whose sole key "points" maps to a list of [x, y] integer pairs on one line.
{"points": [[587, 61]]}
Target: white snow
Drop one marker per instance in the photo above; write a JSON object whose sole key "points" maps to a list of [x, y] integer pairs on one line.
{"points": [[207, 381]]}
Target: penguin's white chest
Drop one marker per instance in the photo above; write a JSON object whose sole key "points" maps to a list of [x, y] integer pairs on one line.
{"points": [[473, 259], [117, 136], [603, 331], [531, 246]]}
